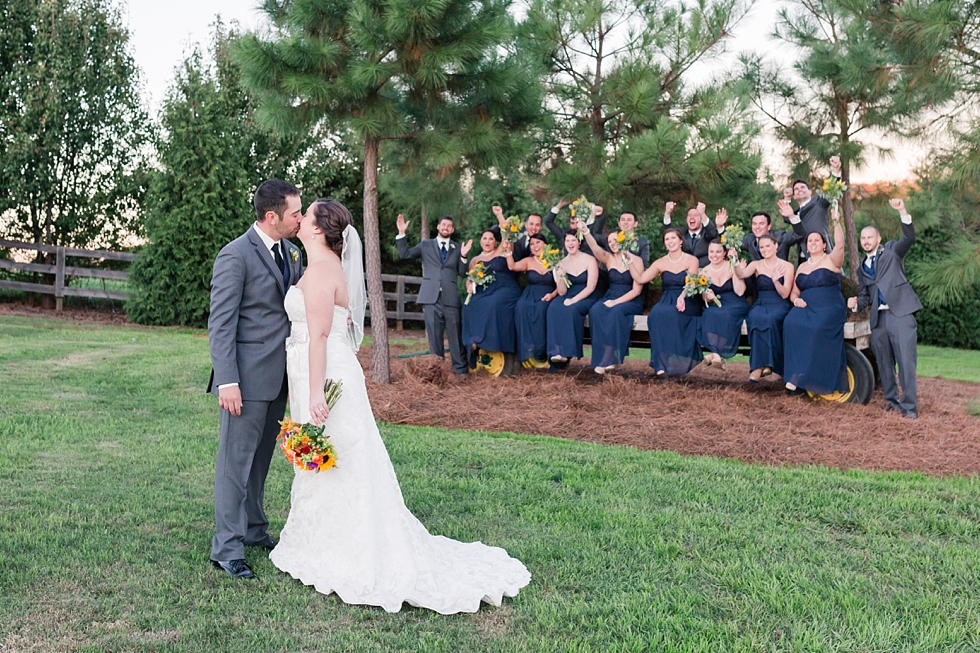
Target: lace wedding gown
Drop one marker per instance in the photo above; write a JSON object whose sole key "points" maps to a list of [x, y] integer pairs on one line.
{"points": [[348, 529]]}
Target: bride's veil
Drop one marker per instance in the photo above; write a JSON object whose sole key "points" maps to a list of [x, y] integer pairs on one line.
{"points": [[352, 261]]}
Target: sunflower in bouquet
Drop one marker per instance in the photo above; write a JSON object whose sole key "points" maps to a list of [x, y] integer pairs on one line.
{"points": [[550, 258], [697, 284], [305, 445], [832, 190], [732, 239], [480, 277], [581, 210], [627, 244], [511, 229]]}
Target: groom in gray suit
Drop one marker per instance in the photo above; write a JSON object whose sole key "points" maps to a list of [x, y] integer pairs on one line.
{"points": [[885, 288], [247, 331], [443, 261]]}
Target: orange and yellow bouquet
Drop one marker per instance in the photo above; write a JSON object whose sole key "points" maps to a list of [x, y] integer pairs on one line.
{"points": [[581, 209], [480, 277], [511, 229], [550, 258], [305, 445], [627, 244], [832, 190], [698, 284]]}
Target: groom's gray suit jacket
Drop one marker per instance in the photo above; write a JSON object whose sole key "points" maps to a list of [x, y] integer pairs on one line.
{"points": [[248, 326]]}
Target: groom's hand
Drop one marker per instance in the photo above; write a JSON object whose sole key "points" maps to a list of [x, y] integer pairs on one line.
{"points": [[230, 399]]}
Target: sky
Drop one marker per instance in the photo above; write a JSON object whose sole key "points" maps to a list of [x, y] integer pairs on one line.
{"points": [[162, 32]]}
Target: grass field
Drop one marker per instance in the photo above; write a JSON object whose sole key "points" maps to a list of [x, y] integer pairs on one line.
{"points": [[107, 446]]}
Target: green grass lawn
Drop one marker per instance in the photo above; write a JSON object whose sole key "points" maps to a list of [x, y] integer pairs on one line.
{"points": [[107, 446]]}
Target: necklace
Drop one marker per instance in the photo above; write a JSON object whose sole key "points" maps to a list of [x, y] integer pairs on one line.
{"points": [[770, 267], [672, 260], [818, 260], [716, 268]]}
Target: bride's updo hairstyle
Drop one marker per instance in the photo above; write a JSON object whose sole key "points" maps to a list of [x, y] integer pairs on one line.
{"points": [[332, 218]]}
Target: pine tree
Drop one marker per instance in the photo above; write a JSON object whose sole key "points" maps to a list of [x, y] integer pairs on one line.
{"points": [[855, 78], [432, 73]]}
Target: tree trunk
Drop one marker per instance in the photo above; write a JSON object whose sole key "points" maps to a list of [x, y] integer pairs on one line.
{"points": [[380, 363], [424, 222], [850, 231]]}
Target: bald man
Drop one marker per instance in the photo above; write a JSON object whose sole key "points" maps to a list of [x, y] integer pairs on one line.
{"points": [[886, 289]]}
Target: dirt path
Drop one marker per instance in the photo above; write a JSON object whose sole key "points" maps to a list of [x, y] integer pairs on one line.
{"points": [[708, 412]]}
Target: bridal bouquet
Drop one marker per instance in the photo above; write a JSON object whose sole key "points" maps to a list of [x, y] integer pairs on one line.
{"points": [[627, 243], [697, 284], [732, 239], [480, 277], [511, 229], [550, 258], [305, 445], [832, 190]]}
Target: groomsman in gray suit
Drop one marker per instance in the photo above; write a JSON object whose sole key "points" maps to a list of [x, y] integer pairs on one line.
{"points": [[885, 288], [247, 331], [443, 261]]}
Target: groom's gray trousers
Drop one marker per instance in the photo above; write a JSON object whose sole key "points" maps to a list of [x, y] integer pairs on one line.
{"points": [[245, 450]]}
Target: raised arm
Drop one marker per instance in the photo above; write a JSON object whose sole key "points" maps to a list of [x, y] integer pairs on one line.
{"points": [[786, 210], [908, 231], [597, 250], [598, 220], [549, 219], [404, 251], [837, 254], [668, 209], [784, 287]]}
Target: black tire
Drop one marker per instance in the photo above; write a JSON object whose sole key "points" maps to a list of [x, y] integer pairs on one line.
{"points": [[510, 365], [863, 373]]}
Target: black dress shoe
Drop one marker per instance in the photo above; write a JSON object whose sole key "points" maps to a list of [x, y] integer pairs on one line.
{"points": [[796, 392], [268, 545], [237, 568]]}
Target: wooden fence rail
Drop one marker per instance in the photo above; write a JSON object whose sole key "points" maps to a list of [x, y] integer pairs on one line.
{"points": [[400, 297], [60, 271]]}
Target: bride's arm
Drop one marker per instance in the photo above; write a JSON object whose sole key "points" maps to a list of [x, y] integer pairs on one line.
{"points": [[319, 299]]}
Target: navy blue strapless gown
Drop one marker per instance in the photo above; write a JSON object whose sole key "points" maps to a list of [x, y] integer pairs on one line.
{"points": [[721, 326], [488, 320], [674, 346], [765, 325], [813, 337], [566, 324], [531, 315], [610, 327]]}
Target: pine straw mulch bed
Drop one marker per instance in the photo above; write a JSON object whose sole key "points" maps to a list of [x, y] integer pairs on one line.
{"points": [[706, 413]]}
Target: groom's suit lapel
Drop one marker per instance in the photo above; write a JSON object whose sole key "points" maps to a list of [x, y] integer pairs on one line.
{"points": [[266, 257]]}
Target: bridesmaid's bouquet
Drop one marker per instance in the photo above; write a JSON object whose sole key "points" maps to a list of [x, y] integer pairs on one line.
{"points": [[628, 244], [511, 229], [305, 445], [480, 277], [832, 190], [550, 258], [697, 284], [732, 239], [582, 208]]}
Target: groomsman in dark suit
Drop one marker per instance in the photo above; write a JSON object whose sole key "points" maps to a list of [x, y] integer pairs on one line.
{"points": [[812, 213], [699, 233], [628, 222], [886, 289], [532, 225], [443, 261], [762, 225], [596, 223]]}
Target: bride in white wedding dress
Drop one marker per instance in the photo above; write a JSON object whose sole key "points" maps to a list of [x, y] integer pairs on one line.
{"points": [[348, 529]]}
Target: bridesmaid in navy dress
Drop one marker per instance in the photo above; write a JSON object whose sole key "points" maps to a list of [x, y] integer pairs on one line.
{"points": [[611, 318], [488, 320], [774, 283], [721, 326], [813, 332], [566, 314], [673, 321], [531, 312]]}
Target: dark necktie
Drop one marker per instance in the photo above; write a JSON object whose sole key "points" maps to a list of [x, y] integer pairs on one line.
{"points": [[442, 252], [282, 268], [872, 262]]}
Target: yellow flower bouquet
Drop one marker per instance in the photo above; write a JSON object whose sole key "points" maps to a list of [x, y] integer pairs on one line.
{"points": [[832, 190], [550, 258], [581, 209], [627, 244], [480, 277], [732, 239], [698, 284], [305, 445], [511, 229]]}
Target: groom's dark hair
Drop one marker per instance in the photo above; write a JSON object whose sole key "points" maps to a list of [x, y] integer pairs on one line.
{"points": [[271, 196]]}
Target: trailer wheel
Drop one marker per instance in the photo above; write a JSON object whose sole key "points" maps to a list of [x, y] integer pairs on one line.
{"points": [[535, 364], [496, 363], [860, 378]]}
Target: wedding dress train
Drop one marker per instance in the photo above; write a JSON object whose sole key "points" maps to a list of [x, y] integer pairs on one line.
{"points": [[348, 529]]}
